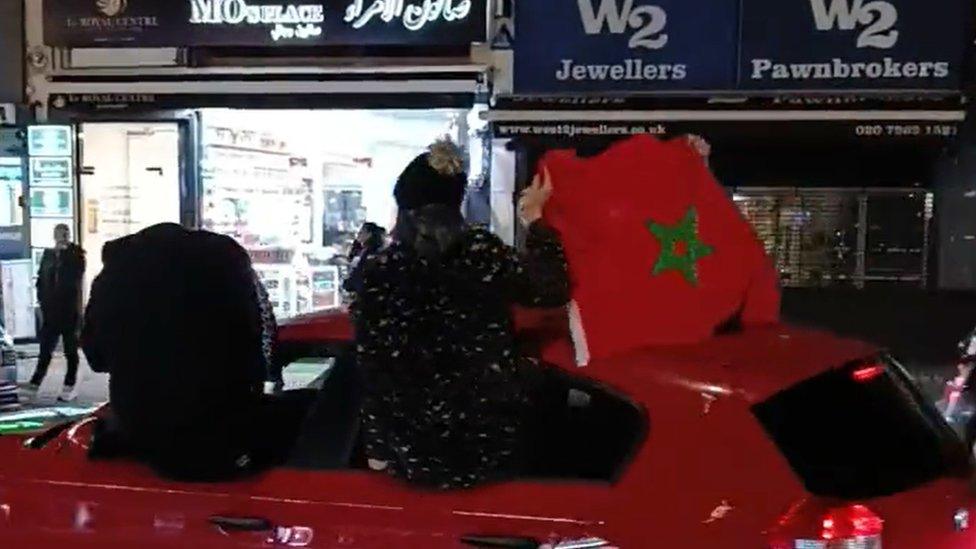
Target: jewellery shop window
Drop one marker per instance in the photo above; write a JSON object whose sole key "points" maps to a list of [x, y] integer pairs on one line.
{"points": [[295, 186]]}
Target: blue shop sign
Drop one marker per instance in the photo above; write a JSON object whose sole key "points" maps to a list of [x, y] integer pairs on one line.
{"points": [[853, 44], [566, 46]]}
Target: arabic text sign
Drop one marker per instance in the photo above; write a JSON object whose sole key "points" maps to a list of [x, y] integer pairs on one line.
{"points": [[175, 23]]}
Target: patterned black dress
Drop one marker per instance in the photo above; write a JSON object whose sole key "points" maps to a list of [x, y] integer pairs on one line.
{"points": [[447, 390]]}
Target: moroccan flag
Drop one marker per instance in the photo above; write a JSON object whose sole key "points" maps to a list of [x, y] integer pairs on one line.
{"points": [[658, 252]]}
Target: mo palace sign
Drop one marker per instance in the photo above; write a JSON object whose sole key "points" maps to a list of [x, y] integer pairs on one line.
{"points": [[186, 23]]}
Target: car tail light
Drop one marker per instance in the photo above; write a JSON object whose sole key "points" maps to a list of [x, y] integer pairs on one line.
{"points": [[809, 525], [867, 372]]}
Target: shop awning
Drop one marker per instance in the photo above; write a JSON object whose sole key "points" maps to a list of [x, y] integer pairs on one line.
{"points": [[441, 86]]}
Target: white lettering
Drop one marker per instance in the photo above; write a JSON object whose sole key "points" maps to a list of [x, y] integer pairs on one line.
{"points": [[413, 15], [878, 18], [838, 69], [287, 21], [801, 72], [648, 21], [236, 12], [760, 67], [597, 72], [629, 69], [233, 12], [840, 14], [203, 12], [563, 73], [609, 15]]}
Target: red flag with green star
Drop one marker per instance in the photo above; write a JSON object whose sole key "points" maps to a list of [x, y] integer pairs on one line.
{"points": [[658, 252]]}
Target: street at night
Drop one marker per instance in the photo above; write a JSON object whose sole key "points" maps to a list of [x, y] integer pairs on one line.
{"points": [[526, 274]]}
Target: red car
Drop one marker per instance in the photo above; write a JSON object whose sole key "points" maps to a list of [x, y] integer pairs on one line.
{"points": [[773, 438]]}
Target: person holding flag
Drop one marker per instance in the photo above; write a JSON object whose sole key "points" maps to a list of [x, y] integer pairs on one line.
{"points": [[658, 252]]}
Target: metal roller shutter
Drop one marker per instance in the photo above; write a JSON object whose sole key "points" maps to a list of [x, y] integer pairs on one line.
{"points": [[825, 237]]}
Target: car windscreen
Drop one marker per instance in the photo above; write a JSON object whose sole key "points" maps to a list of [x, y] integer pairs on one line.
{"points": [[862, 431]]}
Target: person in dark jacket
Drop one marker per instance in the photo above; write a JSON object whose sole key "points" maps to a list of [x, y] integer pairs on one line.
{"points": [[369, 241], [59, 283], [447, 390], [176, 319]]}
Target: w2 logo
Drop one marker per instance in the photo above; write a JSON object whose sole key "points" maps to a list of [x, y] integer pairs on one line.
{"points": [[877, 17], [647, 22]]}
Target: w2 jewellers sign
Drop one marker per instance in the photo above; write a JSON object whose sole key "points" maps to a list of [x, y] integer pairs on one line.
{"points": [[600, 45], [175, 23], [570, 46]]}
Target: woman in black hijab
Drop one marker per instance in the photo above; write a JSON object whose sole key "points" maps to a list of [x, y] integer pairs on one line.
{"points": [[447, 388], [370, 240]]}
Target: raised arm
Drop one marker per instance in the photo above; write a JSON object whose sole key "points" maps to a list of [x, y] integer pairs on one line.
{"points": [[538, 276]]}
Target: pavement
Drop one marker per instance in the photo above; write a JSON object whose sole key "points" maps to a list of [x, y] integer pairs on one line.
{"points": [[93, 388]]}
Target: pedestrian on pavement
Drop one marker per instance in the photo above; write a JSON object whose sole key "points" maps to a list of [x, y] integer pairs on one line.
{"points": [[59, 282]]}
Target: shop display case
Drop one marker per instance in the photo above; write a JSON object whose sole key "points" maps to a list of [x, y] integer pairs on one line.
{"points": [[304, 191]]}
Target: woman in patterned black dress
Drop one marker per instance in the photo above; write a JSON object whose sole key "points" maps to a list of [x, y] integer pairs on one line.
{"points": [[447, 389]]}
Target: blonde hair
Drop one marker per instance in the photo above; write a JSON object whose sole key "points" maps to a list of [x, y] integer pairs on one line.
{"points": [[445, 157]]}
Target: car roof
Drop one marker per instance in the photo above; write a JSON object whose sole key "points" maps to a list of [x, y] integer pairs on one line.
{"points": [[754, 364]]}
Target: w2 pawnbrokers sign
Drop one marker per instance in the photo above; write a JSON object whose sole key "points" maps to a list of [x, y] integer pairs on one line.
{"points": [[853, 44], [565, 46], [179, 23]]}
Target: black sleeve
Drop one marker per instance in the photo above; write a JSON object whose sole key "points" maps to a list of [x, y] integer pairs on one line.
{"points": [[538, 276], [91, 340], [354, 281], [42, 281]]}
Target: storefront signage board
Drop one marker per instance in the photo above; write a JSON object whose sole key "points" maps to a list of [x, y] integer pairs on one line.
{"points": [[50, 172], [571, 46], [853, 44], [51, 193], [256, 23], [630, 46], [924, 133], [49, 141]]}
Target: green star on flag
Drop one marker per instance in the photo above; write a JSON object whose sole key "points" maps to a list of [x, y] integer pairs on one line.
{"points": [[681, 247]]}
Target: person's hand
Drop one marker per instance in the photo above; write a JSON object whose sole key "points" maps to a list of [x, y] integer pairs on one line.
{"points": [[534, 198], [699, 143]]}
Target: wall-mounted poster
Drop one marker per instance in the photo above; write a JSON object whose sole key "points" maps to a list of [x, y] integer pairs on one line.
{"points": [[50, 172], [49, 141], [52, 202]]}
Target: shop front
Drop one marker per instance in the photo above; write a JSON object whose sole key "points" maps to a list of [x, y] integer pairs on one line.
{"points": [[828, 132], [283, 128]]}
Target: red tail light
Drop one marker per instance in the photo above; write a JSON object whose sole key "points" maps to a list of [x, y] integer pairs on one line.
{"points": [[810, 525], [866, 373]]}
